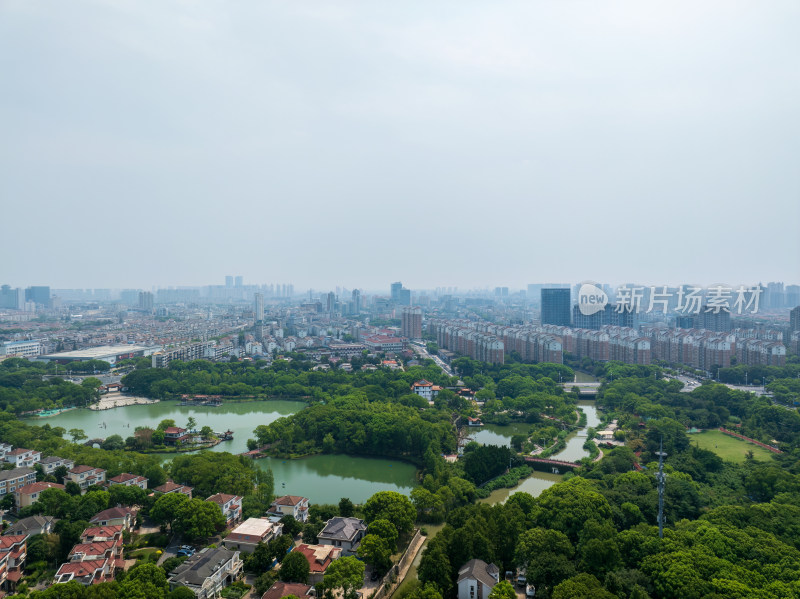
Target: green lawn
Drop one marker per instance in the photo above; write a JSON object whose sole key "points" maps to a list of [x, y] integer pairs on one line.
{"points": [[727, 447]]}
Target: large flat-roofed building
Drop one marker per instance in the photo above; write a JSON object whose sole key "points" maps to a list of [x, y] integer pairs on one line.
{"points": [[185, 353], [107, 353], [24, 349]]}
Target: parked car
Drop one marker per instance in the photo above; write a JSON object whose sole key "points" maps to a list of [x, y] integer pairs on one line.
{"points": [[186, 550], [530, 591]]}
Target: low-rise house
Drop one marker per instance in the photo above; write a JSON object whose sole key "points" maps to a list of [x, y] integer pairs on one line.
{"points": [[85, 476], [231, 506], [284, 589], [128, 480], [4, 449], [115, 516], [424, 389], [32, 525], [175, 435], [343, 532], [102, 533], [97, 550], [13, 550], [86, 572], [172, 487], [250, 533], [208, 572], [476, 579], [289, 505], [23, 458], [319, 558], [51, 462], [29, 494], [11, 480]]}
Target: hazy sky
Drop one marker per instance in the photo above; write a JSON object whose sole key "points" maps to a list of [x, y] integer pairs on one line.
{"points": [[438, 143]]}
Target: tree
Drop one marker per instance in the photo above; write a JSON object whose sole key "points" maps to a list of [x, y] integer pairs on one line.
{"points": [[77, 435], [198, 519], [391, 506], [375, 551], [346, 573], [126, 495], [165, 424], [72, 488], [181, 593], [207, 433], [113, 443], [294, 568], [165, 509], [582, 586], [503, 590], [191, 423], [291, 527], [386, 530], [346, 508], [435, 567]]}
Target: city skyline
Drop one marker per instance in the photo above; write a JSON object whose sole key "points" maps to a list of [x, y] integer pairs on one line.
{"points": [[454, 146]]}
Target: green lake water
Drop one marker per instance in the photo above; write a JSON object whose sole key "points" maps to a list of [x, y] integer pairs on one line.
{"points": [[321, 478]]}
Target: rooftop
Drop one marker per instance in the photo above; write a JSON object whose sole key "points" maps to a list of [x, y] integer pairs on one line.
{"points": [[343, 529]]}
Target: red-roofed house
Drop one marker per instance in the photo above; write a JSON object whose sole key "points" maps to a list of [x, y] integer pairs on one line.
{"points": [[424, 389], [284, 589], [29, 494], [87, 552], [172, 487], [289, 505], [175, 435], [85, 476], [86, 573], [129, 480], [115, 516], [13, 551], [23, 458], [319, 558], [102, 533], [231, 506]]}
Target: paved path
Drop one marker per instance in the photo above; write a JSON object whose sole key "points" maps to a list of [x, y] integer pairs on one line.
{"points": [[413, 550]]}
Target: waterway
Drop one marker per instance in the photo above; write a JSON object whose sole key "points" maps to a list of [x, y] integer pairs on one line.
{"points": [[321, 478], [574, 450]]}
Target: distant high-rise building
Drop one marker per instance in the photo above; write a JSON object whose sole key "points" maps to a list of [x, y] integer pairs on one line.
{"points": [[129, 297], [712, 321], [501, 291], [38, 295], [794, 319], [609, 315], [330, 304], [404, 297], [791, 296], [146, 301], [13, 298], [239, 282], [259, 307], [229, 281], [556, 307], [411, 322], [396, 288], [774, 295], [356, 301]]}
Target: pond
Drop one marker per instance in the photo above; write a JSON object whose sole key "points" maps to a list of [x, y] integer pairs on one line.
{"points": [[499, 434], [321, 478]]}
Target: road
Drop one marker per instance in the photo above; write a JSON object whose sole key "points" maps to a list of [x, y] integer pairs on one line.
{"points": [[423, 353]]}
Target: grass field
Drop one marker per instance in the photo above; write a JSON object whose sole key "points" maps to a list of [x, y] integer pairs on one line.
{"points": [[728, 448]]}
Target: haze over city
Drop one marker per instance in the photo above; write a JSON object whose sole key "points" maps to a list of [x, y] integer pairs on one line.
{"points": [[461, 144]]}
